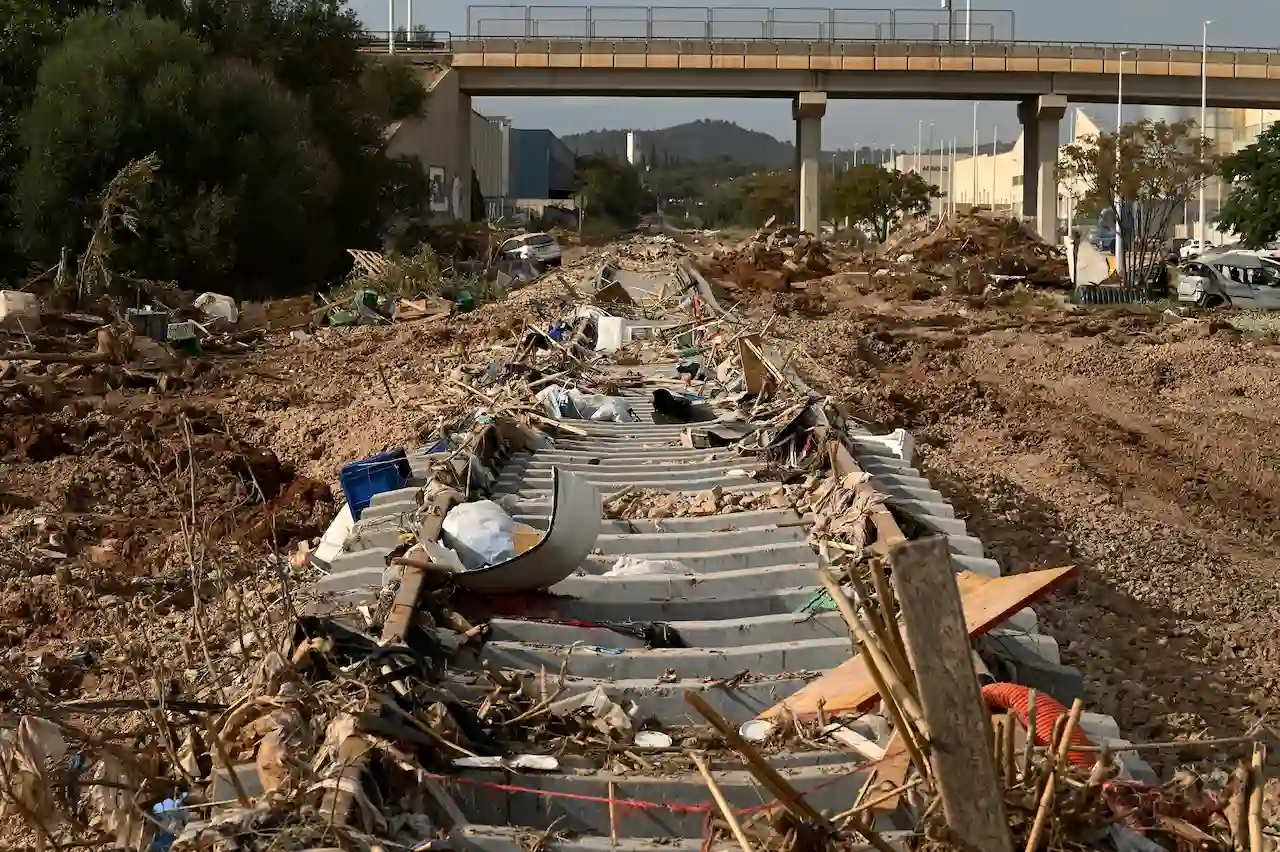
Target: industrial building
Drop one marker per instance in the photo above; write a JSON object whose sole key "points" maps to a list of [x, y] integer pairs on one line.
{"points": [[518, 171], [995, 181], [541, 166]]}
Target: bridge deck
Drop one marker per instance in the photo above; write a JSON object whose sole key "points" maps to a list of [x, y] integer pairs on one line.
{"points": [[795, 55]]}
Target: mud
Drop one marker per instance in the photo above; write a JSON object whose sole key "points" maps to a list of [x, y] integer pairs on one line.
{"points": [[1146, 452]]}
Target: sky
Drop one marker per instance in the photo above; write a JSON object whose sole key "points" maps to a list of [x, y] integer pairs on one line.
{"points": [[848, 123]]}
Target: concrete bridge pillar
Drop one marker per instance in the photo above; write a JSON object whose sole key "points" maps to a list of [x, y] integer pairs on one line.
{"points": [[1041, 122], [808, 108], [460, 180]]}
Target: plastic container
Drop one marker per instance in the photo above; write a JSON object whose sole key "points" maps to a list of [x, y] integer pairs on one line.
{"points": [[153, 324], [19, 311], [363, 479]]}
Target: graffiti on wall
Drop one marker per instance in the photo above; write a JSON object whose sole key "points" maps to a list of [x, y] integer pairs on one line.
{"points": [[439, 191]]}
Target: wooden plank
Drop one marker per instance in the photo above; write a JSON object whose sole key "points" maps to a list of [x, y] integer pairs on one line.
{"points": [[338, 803], [758, 377], [890, 774], [959, 727], [396, 627], [987, 601]]}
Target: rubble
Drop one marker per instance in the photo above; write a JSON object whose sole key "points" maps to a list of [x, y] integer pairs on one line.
{"points": [[774, 260], [402, 702], [999, 248]]}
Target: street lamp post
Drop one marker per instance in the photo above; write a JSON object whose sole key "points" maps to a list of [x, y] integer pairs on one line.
{"points": [[1204, 105], [951, 172], [995, 160], [973, 153], [933, 162], [391, 26], [919, 142], [968, 21], [1118, 200]]}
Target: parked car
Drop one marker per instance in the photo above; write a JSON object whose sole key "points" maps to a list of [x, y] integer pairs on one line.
{"points": [[540, 247], [1194, 248], [1230, 279]]}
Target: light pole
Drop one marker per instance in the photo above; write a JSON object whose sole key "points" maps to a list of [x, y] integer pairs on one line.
{"points": [[1118, 200], [408, 20], [930, 166], [1204, 108], [995, 141], [973, 153], [968, 21], [951, 173], [919, 142], [391, 26]]}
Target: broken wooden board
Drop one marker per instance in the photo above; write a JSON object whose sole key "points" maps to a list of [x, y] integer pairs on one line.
{"points": [[613, 293], [987, 602], [756, 372], [370, 264], [889, 773]]}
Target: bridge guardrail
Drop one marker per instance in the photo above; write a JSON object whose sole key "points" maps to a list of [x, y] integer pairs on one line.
{"points": [[422, 41]]}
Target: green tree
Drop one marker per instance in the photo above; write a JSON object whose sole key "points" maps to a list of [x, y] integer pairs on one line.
{"points": [[1146, 172], [28, 28], [611, 189], [1252, 209], [479, 210], [312, 47], [246, 188], [756, 198], [874, 194]]}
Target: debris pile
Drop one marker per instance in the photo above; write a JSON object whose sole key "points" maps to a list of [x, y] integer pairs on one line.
{"points": [[404, 702], [775, 259], [640, 503], [651, 249], [1003, 249]]}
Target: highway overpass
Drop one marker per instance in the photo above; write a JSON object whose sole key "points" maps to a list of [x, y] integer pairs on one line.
{"points": [[1042, 77]]}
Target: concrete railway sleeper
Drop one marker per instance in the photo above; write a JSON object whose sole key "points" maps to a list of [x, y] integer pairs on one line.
{"points": [[742, 615]]}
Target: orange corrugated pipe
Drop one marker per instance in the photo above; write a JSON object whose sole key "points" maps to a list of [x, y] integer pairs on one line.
{"points": [[1014, 696]]}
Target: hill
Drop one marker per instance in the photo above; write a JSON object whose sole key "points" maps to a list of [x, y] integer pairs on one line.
{"points": [[704, 139]]}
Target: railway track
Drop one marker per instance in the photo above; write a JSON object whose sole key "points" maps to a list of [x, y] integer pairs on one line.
{"points": [[743, 616]]}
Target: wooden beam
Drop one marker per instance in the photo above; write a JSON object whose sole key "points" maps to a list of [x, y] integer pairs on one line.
{"points": [[963, 765], [396, 627], [338, 803], [777, 785], [987, 601]]}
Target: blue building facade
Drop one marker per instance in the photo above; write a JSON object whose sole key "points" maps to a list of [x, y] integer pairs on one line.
{"points": [[541, 165]]}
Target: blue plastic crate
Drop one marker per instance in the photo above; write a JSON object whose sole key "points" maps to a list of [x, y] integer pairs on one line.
{"points": [[361, 480]]}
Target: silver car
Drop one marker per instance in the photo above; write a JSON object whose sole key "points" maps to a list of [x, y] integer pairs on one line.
{"points": [[539, 247], [1230, 279]]}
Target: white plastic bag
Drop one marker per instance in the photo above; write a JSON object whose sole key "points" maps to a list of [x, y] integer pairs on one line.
{"points": [[562, 403], [481, 533], [602, 409]]}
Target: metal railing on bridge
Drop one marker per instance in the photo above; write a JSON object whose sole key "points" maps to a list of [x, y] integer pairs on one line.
{"points": [[400, 41], [737, 23]]}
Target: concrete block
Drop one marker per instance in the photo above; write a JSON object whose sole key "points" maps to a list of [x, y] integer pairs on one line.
{"points": [[399, 495], [383, 532], [375, 557]]}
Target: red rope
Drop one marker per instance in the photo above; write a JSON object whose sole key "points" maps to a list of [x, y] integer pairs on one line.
{"points": [[637, 804]]}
